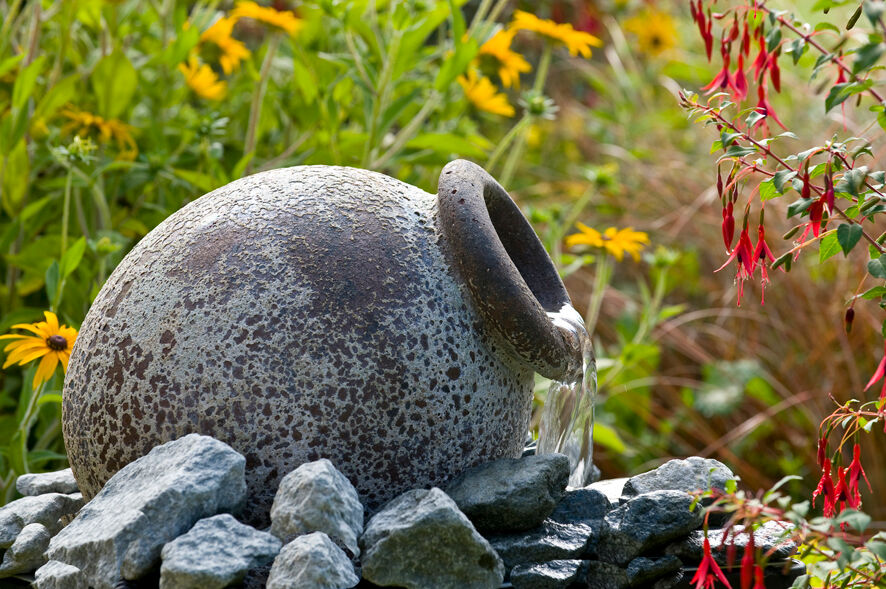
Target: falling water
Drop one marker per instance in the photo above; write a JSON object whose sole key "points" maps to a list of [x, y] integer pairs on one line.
{"points": [[567, 421]]}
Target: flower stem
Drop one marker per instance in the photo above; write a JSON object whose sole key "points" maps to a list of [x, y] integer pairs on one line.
{"points": [[507, 139], [66, 212], [258, 98]]}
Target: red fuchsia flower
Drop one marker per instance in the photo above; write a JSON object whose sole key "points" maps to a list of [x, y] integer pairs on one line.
{"points": [[708, 571], [763, 256], [760, 63], [826, 489], [739, 81], [723, 80], [748, 561], [878, 374], [856, 472], [728, 226], [746, 40], [704, 25], [764, 108], [774, 71], [843, 496], [822, 451], [828, 195], [744, 255], [758, 575]]}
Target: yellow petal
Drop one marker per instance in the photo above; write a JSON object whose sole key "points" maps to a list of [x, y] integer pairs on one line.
{"points": [[27, 356], [27, 344], [45, 369], [33, 328], [52, 320], [14, 336], [65, 358]]}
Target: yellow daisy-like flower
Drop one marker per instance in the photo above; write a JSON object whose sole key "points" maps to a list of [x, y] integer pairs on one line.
{"points": [[576, 41], [51, 342], [284, 20], [202, 80], [615, 241], [655, 31], [510, 64], [85, 123], [482, 93], [232, 50]]}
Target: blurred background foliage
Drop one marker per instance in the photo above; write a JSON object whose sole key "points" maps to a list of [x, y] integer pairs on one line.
{"points": [[114, 114]]}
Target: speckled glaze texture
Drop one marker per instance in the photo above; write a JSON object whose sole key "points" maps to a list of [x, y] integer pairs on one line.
{"points": [[296, 314]]}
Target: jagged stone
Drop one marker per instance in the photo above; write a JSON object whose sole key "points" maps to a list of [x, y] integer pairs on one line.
{"points": [[571, 531], [421, 539], [604, 575], [60, 481], [316, 497], [312, 560], [58, 575], [217, 552], [26, 553], [692, 474], [771, 536], [555, 574], [44, 509], [644, 522], [642, 570], [119, 534], [612, 488], [511, 494]]}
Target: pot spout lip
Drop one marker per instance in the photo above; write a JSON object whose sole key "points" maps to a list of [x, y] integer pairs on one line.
{"points": [[512, 281]]}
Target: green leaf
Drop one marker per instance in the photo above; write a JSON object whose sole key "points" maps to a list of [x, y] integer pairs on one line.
{"points": [[49, 398], [767, 190], [52, 278], [15, 169], [781, 177], [456, 64], [878, 548], [848, 235], [754, 118], [739, 151], [866, 56], [852, 181], [727, 139], [114, 81], [828, 246], [798, 206], [25, 82], [874, 293], [446, 143], [72, 257], [853, 19], [458, 23], [797, 49], [203, 182], [57, 97], [607, 437], [9, 64], [858, 520], [877, 267], [841, 92], [773, 38]]}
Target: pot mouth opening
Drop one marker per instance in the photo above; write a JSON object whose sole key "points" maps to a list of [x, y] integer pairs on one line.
{"points": [[510, 276]]}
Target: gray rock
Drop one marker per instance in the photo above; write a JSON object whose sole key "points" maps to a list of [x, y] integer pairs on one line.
{"points": [[571, 531], [218, 551], [772, 535], [556, 574], [312, 560], [644, 569], [693, 474], [148, 503], [612, 488], [316, 497], [511, 494], [604, 575], [645, 522], [675, 579], [421, 539], [42, 509], [26, 553], [58, 575], [60, 481]]}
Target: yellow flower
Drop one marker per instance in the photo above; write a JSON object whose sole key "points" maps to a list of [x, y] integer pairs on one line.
{"points": [[282, 19], [655, 31], [615, 241], [576, 41], [202, 80], [482, 93], [510, 63], [82, 123], [51, 342], [232, 50]]}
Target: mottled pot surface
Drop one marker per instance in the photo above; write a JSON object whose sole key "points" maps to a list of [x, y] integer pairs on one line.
{"points": [[295, 314]]}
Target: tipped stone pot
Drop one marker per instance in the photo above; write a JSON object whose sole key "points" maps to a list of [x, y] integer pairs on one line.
{"points": [[323, 312]]}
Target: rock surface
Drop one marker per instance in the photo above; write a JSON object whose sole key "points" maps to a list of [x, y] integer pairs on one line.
{"points": [[642, 570], [42, 509], [312, 560], [556, 574], [60, 481], [217, 552], [612, 488], [58, 575], [604, 575], [26, 553], [692, 474], [769, 536], [511, 494], [316, 497], [119, 534], [645, 522], [421, 539]]}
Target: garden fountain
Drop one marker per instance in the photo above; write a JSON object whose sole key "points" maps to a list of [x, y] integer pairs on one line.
{"points": [[332, 312]]}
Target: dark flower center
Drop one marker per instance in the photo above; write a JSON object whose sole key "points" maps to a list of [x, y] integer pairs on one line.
{"points": [[56, 342]]}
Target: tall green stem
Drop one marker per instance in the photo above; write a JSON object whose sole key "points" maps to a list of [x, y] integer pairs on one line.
{"points": [[507, 139], [382, 97], [258, 98], [601, 280], [541, 74], [66, 212]]}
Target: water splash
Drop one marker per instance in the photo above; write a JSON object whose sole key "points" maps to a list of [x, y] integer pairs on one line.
{"points": [[567, 421]]}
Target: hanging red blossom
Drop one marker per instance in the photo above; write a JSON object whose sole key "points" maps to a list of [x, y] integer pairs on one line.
{"points": [[856, 472], [826, 489], [763, 256], [744, 255], [878, 374], [708, 571]]}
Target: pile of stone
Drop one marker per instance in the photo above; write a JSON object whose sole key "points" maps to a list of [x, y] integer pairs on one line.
{"points": [[167, 520]]}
